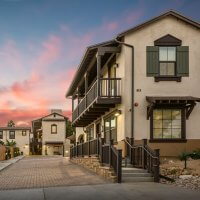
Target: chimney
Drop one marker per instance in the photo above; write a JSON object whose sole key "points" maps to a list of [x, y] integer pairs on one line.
{"points": [[59, 111]]}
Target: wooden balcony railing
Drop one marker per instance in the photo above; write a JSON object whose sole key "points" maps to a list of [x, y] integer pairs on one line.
{"points": [[108, 88]]}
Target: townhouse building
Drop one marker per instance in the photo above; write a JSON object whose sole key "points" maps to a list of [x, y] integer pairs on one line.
{"points": [[49, 135], [20, 135], [144, 84]]}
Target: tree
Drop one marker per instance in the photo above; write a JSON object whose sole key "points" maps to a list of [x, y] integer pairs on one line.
{"points": [[69, 128], [12, 143], [11, 123]]}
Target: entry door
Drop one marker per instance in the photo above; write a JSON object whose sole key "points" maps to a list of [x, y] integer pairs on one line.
{"points": [[110, 129], [98, 130]]}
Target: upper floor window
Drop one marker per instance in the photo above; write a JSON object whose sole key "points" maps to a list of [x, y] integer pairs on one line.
{"points": [[167, 61], [53, 128], [1, 134], [23, 133], [12, 134]]}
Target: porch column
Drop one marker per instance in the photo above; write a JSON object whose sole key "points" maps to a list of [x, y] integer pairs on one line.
{"points": [[98, 73]]}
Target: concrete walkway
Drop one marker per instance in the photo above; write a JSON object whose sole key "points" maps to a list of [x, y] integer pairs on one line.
{"points": [[138, 191], [6, 163]]}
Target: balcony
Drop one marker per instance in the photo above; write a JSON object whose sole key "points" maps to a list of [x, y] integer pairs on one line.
{"points": [[104, 94]]}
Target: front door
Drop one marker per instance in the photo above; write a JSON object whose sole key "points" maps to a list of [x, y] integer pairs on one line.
{"points": [[110, 129]]}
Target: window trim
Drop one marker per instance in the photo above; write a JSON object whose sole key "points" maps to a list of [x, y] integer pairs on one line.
{"points": [[10, 135], [52, 129], [1, 134], [183, 124]]}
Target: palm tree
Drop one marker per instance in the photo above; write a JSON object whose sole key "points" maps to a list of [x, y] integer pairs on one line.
{"points": [[11, 123]]}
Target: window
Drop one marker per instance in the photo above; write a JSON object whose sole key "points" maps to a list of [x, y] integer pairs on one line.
{"points": [[167, 61], [90, 133], [23, 133], [53, 129], [12, 134], [167, 124], [1, 134], [110, 129]]}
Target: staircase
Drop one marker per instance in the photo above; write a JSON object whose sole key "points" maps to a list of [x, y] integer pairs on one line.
{"points": [[131, 174]]}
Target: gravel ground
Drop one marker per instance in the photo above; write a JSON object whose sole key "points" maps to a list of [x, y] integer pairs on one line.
{"points": [[186, 178]]}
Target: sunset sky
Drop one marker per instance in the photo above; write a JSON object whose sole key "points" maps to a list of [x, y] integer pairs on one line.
{"points": [[42, 42]]}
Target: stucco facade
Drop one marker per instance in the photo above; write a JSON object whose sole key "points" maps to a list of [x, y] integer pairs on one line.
{"points": [[51, 135], [22, 137], [144, 86]]}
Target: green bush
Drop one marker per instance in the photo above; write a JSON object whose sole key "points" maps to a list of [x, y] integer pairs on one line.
{"points": [[194, 155]]}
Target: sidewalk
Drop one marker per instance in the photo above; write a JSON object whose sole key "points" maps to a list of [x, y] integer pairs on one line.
{"points": [[6, 163], [141, 191]]}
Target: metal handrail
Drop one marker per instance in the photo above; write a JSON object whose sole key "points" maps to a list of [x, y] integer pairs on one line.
{"points": [[140, 146]]}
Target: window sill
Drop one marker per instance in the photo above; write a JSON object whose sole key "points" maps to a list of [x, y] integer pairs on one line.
{"points": [[167, 140], [167, 78]]}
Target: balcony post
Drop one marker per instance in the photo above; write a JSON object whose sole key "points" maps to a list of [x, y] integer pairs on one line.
{"points": [[98, 73], [86, 88], [78, 100]]}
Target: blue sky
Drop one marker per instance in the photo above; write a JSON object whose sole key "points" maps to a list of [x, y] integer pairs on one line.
{"points": [[42, 42]]}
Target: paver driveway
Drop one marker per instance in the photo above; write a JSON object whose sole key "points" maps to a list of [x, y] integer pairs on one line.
{"points": [[40, 171]]}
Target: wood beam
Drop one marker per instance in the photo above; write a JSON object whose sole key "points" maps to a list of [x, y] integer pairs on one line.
{"points": [[103, 50], [189, 110]]}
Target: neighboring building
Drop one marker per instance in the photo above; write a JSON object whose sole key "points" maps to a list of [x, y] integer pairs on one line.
{"points": [[143, 85], [21, 135], [49, 135]]}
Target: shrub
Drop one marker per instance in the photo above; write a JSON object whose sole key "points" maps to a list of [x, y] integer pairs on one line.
{"points": [[184, 156], [194, 155]]}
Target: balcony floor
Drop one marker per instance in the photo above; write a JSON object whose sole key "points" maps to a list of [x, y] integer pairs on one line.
{"points": [[98, 108]]}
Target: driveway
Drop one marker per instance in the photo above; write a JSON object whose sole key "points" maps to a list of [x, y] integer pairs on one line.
{"points": [[42, 172]]}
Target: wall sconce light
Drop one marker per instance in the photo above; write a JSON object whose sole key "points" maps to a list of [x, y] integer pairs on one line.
{"points": [[116, 65], [117, 113], [66, 151]]}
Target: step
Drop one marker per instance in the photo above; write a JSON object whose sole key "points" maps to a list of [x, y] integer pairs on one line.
{"points": [[127, 165], [136, 175], [133, 170], [137, 179]]}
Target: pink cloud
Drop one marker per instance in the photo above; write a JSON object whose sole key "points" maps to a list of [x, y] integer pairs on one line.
{"points": [[49, 54]]}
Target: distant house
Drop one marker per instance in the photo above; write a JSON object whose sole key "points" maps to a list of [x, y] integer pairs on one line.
{"points": [[142, 85], [21, 135], [49, 135]]}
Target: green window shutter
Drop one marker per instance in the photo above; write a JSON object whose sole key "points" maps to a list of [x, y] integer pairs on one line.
{"points": [[182, 61], [152, 61]]}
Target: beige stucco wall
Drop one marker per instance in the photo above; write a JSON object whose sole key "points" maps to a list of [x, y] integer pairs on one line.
{"points": [[47, 136], [141, 38], [146, 36], [21, 141]]}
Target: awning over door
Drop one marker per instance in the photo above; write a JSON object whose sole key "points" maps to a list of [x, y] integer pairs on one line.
{"points": [[185, 101], [54, 143]]}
